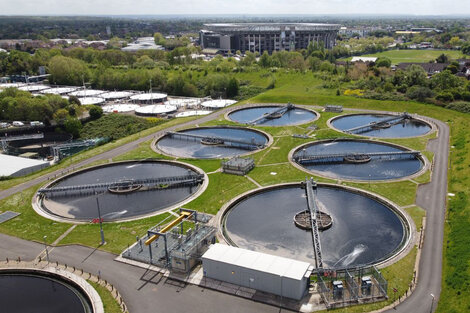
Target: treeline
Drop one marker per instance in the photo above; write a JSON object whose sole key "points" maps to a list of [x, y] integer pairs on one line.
{"points": [[377, 81], [16, 105]]}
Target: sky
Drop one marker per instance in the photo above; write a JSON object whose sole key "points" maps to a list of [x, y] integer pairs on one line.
{"points": [[159, 7]]}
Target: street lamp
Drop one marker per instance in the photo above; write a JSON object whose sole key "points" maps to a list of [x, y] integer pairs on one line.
{"points": [[432, 302], [100, 221], [45, 245]]}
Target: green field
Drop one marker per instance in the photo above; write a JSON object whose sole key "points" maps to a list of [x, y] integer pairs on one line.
{"points": [[400, 56]]}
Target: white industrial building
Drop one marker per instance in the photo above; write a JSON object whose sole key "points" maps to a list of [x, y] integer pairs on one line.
{"points": [[16, 166], [264, 272]]}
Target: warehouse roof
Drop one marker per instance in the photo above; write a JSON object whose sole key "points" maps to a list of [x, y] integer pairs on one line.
{"points": [[12, 164], [258, 261]]}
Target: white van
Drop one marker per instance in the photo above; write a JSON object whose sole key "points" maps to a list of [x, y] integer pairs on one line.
{"points": [[17, 123]]}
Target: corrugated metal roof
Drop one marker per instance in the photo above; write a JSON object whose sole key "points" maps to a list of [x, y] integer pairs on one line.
{"points": [[257, 261]]}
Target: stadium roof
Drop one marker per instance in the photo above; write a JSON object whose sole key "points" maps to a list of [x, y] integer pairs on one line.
{"points": [[232, 27]]}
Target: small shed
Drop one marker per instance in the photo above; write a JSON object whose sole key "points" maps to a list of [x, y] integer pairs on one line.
{"points": [[264, 272], [238, 166]]}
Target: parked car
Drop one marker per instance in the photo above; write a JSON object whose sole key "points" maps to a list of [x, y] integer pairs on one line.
{"points": [[18, 123], [36, 123], [4, 125]]}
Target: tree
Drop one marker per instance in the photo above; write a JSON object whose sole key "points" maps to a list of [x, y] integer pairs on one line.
{"points": [[232, 87], [415, 75], [73, 126], [68, 71], [95, 112], [383, 62], [265, 60], [419, 93], [466, 48], [159, 39], [445, 80], [442, 58]]}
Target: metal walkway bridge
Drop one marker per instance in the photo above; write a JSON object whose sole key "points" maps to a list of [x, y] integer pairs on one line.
{"points": [[186, 180], [310, 185], [343, 157], [6, 139], [223, 141], [274, 114], [57, 149], [379, 124]]}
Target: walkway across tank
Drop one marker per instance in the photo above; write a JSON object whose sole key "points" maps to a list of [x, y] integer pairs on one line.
{"points": [[212, 142], [22, 291], [273, 115], [358, 159], [363, 230], [121, 191], [381, 125]]}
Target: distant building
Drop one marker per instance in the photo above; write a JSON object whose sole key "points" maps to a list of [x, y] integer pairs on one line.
{"points": [[364, 59], [430, 68], [143, 43], [260, 37]]}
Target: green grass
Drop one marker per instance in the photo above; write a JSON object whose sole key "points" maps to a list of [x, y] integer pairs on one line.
{"points": [[222, 188], [402, 193], [117, 235], [29, 225], [424, 56], [417, 214], [110, 304], [424, 178]]}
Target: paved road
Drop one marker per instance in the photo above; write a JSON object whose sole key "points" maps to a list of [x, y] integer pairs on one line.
{"points": [[143, 291], [432, 198]]}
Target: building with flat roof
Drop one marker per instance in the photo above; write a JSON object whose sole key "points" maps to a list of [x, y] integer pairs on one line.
{"points": [[264, 272], [260, 37], [16, 166]]}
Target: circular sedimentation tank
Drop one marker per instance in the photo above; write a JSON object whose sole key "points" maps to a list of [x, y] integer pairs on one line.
{"points": [[128, 198], [36, 291], [295, 116], [364, 229], [207, 143], [350, 160], [379, 127]]}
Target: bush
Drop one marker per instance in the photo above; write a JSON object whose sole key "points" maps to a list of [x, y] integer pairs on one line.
{"points": [[95, 112], [445, 96], [460, 106], [419, 93]]}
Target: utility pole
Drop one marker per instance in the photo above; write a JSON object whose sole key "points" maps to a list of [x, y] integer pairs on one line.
{"points": [[101, 222]]}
